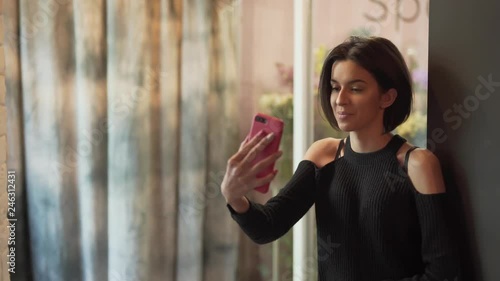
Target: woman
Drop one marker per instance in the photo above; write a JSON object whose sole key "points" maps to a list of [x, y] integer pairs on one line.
{"points": [[380, 200]]}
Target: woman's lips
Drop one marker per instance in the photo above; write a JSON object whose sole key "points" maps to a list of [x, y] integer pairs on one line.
{"points": [[343, 115]]}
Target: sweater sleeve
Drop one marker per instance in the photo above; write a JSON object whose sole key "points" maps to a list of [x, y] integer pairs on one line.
{"points": [[439, 253], [266, 223]]}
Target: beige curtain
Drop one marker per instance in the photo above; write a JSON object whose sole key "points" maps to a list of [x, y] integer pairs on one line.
{"points": [[121, 115]]}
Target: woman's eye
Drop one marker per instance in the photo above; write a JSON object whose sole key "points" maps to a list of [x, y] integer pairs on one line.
{"points": [[356, 90], [335, 89]]}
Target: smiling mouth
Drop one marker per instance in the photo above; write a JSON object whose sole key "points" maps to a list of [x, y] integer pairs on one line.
{"points": [[343, 115]]}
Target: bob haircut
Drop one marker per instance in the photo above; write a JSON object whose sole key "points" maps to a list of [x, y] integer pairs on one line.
{"points": [[383, 60]]}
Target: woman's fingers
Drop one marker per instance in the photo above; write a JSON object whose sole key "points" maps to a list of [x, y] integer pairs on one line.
{"points": [[243, 143], [261, 145], [241, 175], [261, 165], [256, 182], [250, 176], [246, 148]]}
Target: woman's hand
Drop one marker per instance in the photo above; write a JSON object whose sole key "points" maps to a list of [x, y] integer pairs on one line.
{"points": [[241, 174]]}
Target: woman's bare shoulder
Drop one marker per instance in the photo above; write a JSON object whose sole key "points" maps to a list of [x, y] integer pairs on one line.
{"points": [[322, 151], [424, 169]]}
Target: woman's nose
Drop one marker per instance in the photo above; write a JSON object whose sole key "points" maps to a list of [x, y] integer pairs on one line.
{"points": [[342, 97]]}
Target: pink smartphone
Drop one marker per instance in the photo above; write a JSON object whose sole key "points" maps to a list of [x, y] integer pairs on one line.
{"points": [[268, 124]]}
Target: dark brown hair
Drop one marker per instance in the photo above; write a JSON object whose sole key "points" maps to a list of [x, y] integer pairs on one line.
{"points": [[383, 60]]}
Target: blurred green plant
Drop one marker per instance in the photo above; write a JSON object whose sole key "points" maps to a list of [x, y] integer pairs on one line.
{"points": [[414, 128]]}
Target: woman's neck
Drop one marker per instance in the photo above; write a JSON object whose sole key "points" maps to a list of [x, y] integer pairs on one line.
{"points": [[364, 143]]}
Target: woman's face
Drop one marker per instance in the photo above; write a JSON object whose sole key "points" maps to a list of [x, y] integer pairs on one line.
{"points": [[356, 98]]}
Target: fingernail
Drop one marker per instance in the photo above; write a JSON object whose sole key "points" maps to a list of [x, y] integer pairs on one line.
{"points": [[270, 136], [275, 172], [280, 153]]}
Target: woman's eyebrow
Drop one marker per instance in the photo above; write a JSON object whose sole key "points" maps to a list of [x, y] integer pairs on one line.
{"points": [[349, 82]]}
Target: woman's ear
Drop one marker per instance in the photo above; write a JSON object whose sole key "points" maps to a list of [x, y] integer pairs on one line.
{"points": [[388, 98]]}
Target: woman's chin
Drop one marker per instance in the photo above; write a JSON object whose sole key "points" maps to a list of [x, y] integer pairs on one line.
{"points": [[345, 128]]}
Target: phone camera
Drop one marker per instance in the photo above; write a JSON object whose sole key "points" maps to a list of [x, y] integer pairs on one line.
{"points": [[260, 119]]}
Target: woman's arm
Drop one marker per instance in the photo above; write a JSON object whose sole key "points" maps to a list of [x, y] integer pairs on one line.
{"points": [[268, 222], [439, 253]]}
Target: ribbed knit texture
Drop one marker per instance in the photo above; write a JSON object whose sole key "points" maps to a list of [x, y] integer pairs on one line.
{"points": [[372, 224]]}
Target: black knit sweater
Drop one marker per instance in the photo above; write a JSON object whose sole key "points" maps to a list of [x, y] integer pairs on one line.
{"points": [[372, 224]]}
